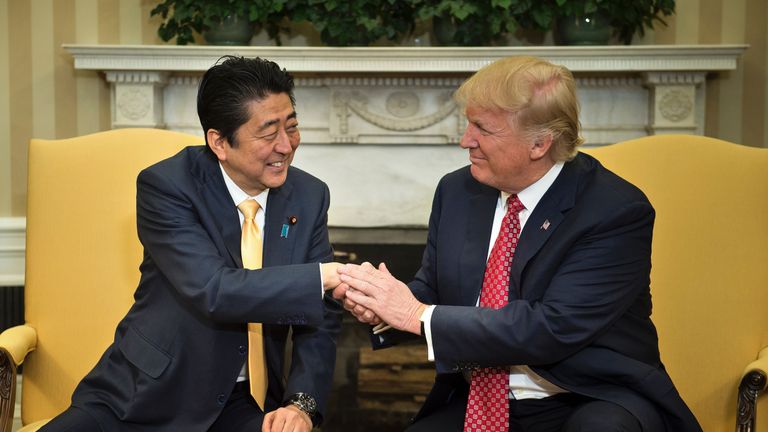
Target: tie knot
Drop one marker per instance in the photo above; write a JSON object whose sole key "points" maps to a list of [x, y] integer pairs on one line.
{"points": [[514, 204], [249, 208]]}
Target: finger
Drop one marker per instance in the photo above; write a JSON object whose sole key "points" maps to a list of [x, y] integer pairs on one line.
{"points": [[383, 268], [278, 423], [359, 310], [269, 418], [363, 271], [369, 316], [349, 304], [340, 291], [361, 282], [361, 299]]}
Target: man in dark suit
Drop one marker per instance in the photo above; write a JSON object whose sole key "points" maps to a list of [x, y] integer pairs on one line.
{"points": [[555, 249], [178, 359]]}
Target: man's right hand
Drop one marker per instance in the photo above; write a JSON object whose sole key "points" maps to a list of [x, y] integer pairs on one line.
{"points": [[330, 275]]}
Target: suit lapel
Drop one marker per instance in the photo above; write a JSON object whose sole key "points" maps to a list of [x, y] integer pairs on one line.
{"points": [[218, 202], [278, 241], [482, 206], [544, 220]]}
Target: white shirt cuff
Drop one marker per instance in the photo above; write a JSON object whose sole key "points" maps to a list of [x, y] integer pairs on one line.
{"points": [[322, 288], [426, 318]]}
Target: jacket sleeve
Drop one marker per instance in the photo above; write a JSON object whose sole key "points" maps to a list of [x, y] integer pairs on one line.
{"points": [[179, 237], [603, 272], [314, 347]]}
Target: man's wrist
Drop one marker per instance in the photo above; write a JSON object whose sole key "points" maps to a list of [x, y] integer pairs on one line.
{"points": [[304, 403], [416, 325]]}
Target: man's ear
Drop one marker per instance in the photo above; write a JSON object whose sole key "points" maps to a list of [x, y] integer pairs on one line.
{"points": [[217, 143], [541, 146]]}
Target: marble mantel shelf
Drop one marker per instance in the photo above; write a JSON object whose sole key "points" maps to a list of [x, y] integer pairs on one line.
{"points": [[618, 58], [382, 118]]}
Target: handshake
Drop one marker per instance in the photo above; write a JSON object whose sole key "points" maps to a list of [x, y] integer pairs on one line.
{"points": [[373, 295]]}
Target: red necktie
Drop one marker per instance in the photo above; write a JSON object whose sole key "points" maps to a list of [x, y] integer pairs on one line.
{"points": [[488, 404]]}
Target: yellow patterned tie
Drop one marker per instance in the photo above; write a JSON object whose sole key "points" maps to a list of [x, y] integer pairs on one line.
{"points": [[251, 251]]}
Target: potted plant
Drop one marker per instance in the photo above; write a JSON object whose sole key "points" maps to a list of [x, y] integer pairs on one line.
{"points": [[597, 19], [474, 23], [355, 22], [221, 22]]}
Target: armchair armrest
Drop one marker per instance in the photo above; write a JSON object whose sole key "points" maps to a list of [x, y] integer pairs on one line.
{"points": [[18, 341], [15, 344], [753, 382]]}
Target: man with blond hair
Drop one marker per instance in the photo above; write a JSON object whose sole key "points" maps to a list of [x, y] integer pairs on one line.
{"points": [[533, 295]]}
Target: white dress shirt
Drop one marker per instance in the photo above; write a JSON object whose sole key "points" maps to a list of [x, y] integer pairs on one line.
{"points": [[523, 382]]}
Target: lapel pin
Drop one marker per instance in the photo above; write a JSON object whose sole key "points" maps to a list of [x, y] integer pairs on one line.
{"points": [[292, 220], [284, 231], [545, 225]]}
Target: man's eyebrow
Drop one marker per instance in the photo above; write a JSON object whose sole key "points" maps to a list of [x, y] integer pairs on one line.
{"points": [[269, 123]]}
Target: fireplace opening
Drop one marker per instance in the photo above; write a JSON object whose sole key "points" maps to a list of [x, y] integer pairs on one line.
{"points": [[377, 391]]}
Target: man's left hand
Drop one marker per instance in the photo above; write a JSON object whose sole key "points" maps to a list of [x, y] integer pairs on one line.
{"points": [[287, 419], [379, 291]]}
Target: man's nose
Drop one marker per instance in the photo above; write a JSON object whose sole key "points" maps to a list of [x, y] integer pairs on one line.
{"points": [[467, 140], [283, 144]]}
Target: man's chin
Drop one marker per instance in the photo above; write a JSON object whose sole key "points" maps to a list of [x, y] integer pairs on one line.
{"points": [[276, 181]]}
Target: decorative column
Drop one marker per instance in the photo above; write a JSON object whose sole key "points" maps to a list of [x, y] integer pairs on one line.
{"points": [[676, 102], [137, 98]]}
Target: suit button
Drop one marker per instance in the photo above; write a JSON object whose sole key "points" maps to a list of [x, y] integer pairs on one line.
{"points": [[242, 349], [221, 399]]}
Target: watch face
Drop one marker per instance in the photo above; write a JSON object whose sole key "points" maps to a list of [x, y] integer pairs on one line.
{"points": [[305, 402]]}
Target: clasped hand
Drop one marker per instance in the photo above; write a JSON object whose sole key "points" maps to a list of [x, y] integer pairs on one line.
{"points": [[373, 295]]}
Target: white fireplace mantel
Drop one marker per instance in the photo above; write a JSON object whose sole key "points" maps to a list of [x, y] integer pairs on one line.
{"points": [[632, 58], [375, 121]]}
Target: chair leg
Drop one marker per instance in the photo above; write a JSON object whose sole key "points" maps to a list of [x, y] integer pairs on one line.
{"points": [[750, 388], [7, 390]]}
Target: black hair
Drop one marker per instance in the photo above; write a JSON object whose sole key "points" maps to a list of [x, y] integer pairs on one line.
{"points": [[230, 85]]}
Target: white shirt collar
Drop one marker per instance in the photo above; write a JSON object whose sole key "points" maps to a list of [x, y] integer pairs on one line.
{"points": [[238, 195], [531, 195]]}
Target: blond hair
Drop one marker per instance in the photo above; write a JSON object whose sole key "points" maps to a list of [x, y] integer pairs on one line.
{"points": [[539, 96]]}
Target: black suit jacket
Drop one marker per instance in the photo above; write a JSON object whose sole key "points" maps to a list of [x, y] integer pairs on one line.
{"points": [[579, 298], [178, 351]]}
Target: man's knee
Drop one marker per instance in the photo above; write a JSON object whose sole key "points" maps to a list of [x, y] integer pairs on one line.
{"points": [[601, 416]]}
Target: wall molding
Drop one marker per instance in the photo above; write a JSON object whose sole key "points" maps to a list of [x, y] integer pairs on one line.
{"points": [[12, 247]]}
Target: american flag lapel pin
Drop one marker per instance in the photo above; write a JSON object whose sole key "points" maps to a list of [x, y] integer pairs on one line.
{"points": [[545, 225]]}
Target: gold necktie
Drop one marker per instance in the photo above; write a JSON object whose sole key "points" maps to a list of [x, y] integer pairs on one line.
{"points": [[251, 251]]}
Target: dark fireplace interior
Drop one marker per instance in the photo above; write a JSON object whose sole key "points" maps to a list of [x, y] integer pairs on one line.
{"points": [[377, 391]]}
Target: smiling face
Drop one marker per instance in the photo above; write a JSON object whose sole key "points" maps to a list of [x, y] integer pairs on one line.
{"points": [[501, 156], [264, 145]]}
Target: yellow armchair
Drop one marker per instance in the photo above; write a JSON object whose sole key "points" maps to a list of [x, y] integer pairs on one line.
{"points": [[710, 269], [82, 262]]}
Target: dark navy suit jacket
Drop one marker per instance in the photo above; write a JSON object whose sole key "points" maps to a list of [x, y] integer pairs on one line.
{"points": [[579, 297], [178, 351]]}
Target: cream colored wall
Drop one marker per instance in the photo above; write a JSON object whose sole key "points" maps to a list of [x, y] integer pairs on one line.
{"points": [[42, 96]]}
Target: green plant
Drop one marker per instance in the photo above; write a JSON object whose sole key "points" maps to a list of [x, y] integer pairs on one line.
{"points": [[626, 17], [485, 22], [355, 22], [183, 18]]}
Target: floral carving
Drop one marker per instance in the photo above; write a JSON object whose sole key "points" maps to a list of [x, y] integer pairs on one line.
{"points": [[675, 105]]}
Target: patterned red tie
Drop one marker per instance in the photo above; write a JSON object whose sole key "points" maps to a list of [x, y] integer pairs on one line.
{"points": [[488, 405]]}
